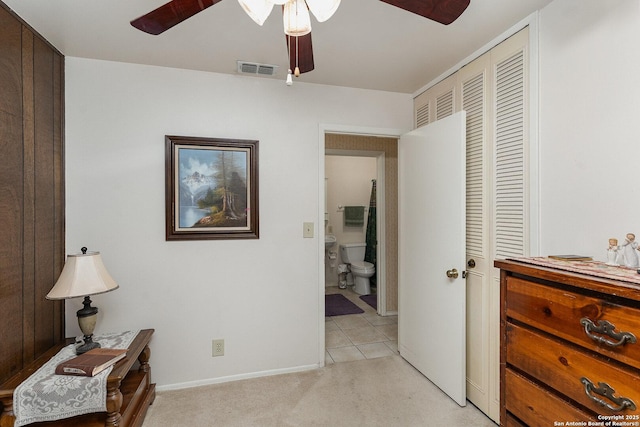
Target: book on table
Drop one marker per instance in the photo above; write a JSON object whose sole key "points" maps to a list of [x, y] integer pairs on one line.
{"points": [[92, 362]]}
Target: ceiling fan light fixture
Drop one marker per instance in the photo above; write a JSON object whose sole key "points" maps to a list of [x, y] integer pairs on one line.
{"points": [[258, 10], [323, 9], [296, 19]]}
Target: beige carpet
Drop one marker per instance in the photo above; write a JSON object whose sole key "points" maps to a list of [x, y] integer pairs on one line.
{"points": [[375, 392]]}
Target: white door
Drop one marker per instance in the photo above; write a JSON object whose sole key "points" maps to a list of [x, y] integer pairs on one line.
{"points": [[431, 311]]}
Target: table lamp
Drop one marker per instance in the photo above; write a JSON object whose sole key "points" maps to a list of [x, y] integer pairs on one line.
{"points": [[84, 275]]}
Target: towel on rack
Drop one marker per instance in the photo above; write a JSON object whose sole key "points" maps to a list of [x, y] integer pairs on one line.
{"points": [[354, 216]]}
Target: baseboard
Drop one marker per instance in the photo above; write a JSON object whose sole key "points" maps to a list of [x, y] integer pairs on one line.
{"points": [[219, 380]]}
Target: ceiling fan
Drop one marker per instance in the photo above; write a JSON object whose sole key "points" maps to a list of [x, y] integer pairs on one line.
{"points": [[295, 18]]}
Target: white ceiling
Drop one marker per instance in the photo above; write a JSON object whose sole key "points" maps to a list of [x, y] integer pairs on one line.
{"points": [[386, 48]]}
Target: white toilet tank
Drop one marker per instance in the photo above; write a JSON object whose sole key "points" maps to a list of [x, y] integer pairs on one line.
{"points": [[352, 252]]}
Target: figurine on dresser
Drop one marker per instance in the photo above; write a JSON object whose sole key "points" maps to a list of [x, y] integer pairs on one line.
{"points": [[627, 254], [612, 252]]}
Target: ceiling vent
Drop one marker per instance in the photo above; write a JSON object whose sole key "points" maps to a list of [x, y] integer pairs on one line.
{"points": [[256, 69]]}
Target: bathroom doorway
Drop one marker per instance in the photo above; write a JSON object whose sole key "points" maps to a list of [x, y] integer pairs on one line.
{"points": [[349, 180], [384, 151]]}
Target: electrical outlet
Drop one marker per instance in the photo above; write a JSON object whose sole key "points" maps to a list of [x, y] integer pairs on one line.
{"points": [[218, 348]]}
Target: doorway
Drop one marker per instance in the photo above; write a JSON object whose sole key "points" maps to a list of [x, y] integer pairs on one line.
{"points": [[349, 179], [384, 149]]}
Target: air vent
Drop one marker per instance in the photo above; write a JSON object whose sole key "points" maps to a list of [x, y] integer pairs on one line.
{"points": [[257, 69]]}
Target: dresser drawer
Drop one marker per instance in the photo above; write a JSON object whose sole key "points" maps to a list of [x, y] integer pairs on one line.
{"points": [[565, 368], [577, 318], [536, 406], [511, 421]]}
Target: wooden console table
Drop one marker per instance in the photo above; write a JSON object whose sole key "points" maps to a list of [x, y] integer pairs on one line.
{"points": [[129, 392]]}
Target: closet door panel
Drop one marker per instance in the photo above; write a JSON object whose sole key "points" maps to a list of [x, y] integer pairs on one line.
{"points": [[422, 109], [444, 95], [474, 90], [511, 118], [509, 61], [437, 102]]}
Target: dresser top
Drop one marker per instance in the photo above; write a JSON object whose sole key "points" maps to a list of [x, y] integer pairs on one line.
{"points": [[594, 276]]}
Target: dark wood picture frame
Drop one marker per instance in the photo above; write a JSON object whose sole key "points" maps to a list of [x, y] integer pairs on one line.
{"points": [[211, 187]]}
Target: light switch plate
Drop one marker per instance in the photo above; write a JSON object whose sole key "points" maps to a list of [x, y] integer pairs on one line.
{"points": [[307, 231]]}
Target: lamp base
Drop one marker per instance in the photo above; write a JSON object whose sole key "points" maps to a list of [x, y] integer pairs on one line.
{"points": [[87, 317], [88, 344]]}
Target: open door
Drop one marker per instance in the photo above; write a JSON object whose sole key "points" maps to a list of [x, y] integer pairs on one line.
{"points": [[431, 286]]}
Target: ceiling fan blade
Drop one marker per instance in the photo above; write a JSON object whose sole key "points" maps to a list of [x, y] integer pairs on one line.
{"points": [[166, 16], [442, 11], [302, 46]]}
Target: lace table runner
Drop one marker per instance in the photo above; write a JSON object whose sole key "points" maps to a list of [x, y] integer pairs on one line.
{"points": [[45, 396], [591, 268]]}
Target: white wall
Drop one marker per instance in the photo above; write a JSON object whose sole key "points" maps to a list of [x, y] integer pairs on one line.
{"points": [[260, 296], [589, 113]]}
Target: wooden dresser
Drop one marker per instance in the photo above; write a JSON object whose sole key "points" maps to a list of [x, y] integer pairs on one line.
{"points": [[570, 348]]}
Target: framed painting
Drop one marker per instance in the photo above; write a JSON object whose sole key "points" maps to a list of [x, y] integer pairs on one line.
{"points": [[211, 188]]}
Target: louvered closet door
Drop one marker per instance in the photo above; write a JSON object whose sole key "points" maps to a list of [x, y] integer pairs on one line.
{"points": [[509, 177], [436, 103], [510, 142], [444, 105], [421, 106], [422, 115], [494, 95], [474, 80]]}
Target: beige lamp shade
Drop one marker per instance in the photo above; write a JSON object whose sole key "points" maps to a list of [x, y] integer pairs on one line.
{"points": [[83, 274]]}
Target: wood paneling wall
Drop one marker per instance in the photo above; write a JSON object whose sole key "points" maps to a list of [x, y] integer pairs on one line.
{"points": [[390, 148], [31, 193]]}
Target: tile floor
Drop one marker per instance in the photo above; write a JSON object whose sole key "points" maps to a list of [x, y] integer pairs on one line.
{"points": [[359, 336]]}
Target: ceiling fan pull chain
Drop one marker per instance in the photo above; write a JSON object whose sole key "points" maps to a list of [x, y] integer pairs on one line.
{"points": [[297, 71], [289, 80]]}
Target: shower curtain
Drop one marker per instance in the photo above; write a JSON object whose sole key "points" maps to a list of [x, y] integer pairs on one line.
{"points": [[371, 238]]}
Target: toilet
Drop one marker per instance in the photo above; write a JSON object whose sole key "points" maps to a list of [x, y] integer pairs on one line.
{"points": [[353, 254]]}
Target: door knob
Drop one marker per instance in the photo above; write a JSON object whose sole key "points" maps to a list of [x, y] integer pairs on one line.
{"points": [[471, 263], [452, 274]]}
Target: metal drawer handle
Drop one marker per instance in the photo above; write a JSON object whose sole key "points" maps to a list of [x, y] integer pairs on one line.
{"points": [[605, 390], [606, 328]]}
